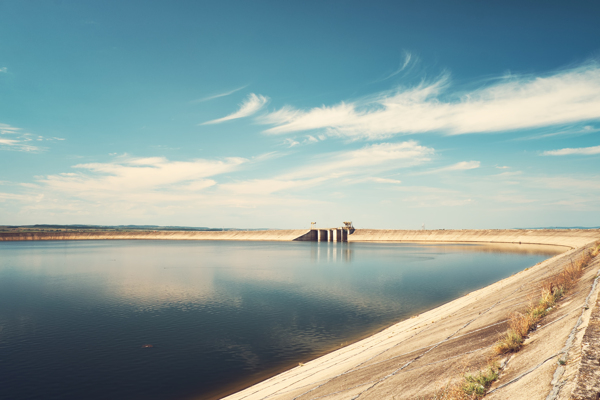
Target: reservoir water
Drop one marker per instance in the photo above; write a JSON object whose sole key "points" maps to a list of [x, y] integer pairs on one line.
{"points": [[199, 319]]}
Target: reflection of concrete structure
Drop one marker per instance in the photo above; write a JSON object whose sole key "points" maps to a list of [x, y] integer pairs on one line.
{"points": [[341, 252]]}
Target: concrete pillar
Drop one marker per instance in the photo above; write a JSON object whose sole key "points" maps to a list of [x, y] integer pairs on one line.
{"points": [[347, 234], [330, 234], [335, 235], [323, 235]]}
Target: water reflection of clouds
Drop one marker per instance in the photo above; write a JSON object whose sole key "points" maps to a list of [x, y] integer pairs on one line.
{"points": [[151, 276]]}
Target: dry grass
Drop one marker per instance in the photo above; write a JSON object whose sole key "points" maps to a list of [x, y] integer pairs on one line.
{"points": [[596, 249], [470, 387], [552, 290]]}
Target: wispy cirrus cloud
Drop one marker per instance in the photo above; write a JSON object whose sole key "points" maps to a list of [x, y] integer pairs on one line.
{"points": [[355, 166], [514, 102], [216, 96], [13, 138], [407, 58], [383, 180], [366, 160], [459, 166], [153, 178], [3, 69], [586, 151], [292, 142], [18, 141], [21, 197], [570, 131], [248, 107]]}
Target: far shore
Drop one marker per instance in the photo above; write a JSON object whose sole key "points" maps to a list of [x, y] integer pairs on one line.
{"points": [[569, 238]]}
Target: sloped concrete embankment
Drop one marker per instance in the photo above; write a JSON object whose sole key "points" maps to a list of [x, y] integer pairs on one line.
{"points": [[265, 235], [414, 358], [557, 237]]}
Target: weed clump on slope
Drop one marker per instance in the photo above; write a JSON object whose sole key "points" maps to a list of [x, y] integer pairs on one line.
{"points": [[596, 249], [471, 387], [477, 385], [521, 324]]}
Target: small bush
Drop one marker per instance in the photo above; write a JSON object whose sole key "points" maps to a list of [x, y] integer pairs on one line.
{"points": [[510, 342], [471, 387], [521, 323], [479, 384], [596, 249]]}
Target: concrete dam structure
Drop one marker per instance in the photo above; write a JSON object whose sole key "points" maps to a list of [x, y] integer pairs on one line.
{"points": [[326, 235]]}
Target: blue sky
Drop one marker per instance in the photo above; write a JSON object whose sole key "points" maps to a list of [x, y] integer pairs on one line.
{"points": [[462, 114]]}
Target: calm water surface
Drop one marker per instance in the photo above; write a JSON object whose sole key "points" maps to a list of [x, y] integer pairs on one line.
{"points": [[74, 315]]}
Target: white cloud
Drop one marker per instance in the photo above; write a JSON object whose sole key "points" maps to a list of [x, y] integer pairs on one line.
{"points": [[427, 197], [19, 139], [460, 166], [4, 69], [367, 160], [402, 67], [151, 179], [514, 102], [216, 96], [508, 174], [21, 197], [17, 145], [569, 131], [386, 180], [290, 142], [579, 151], [7, 129], [361, 164], [264, 187], [250, 106], [9, 142]]}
